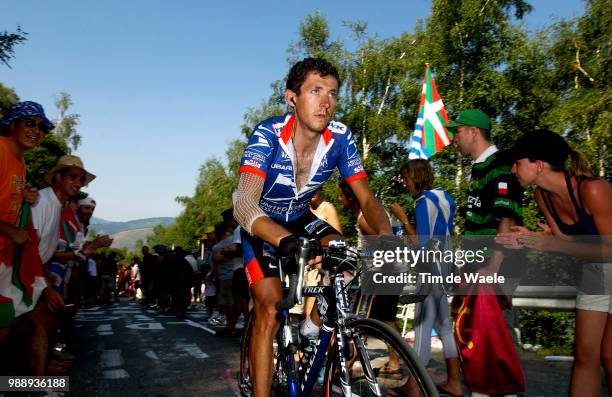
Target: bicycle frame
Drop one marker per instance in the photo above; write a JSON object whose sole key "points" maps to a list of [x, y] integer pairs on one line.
{"points": [[334, 309], [341, 337]]}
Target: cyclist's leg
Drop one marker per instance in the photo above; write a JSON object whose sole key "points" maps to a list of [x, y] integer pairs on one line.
{"points": [[263, 277], [266, 293]]}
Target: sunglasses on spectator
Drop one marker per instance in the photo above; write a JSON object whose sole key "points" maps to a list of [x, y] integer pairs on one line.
{"points": [[75, 177], [31, 123]]}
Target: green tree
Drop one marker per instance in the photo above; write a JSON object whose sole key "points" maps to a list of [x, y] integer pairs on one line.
{"points": [[65, 124], [42, 158], [582, 52], [8, 97], [8, 41], [213, 194]]}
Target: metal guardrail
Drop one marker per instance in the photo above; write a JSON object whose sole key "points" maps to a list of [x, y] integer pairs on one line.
{"points": [[545, 297]]}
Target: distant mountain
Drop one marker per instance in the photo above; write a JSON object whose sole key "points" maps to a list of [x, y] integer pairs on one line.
{"points": [[127, 238], [109, 227]]}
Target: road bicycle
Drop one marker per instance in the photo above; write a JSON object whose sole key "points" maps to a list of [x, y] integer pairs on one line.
{"points": [[350, 352]]}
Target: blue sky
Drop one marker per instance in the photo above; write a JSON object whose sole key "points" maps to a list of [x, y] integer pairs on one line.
{"points": [[162, 85]]}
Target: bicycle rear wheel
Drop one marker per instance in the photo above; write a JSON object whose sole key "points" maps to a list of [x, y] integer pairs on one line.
{"points": [[368, 346], [245, 382]]}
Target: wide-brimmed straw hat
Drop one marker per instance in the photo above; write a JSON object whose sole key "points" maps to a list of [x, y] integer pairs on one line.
{"points": [[68, 161]]}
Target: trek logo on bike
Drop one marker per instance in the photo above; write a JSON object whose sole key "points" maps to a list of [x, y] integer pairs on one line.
{"points": [[313, 291]]}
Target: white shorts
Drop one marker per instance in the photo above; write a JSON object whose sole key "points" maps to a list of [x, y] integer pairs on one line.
{"points": [[597, 278], [597, 303]]}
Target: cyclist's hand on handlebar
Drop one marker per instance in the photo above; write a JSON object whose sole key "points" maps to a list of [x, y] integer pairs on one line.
{"points": [[287, 249], [316, 257]]}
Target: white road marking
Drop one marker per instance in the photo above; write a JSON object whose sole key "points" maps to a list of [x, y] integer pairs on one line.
{"points": [[142, 317], [115, 374], [198, 325], [148, 326], [192, 349], [104, 328], [79, 318], [111, 358], [151, 354], [106, 333], [91, 309]]}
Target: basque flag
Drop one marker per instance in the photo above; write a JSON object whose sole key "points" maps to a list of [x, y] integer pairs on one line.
{"points": [[430, 134]]}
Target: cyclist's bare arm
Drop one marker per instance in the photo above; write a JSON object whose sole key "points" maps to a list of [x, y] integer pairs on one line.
{"points": [[373, 211], [250, 216]]}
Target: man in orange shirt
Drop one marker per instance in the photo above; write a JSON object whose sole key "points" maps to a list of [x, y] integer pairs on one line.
{"points": [[23, 129]]}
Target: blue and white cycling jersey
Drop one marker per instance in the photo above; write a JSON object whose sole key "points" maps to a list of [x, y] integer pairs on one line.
{"points": [[270, 154]]}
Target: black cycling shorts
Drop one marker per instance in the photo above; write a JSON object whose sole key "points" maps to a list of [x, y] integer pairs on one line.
{"points": [[259, 257]]}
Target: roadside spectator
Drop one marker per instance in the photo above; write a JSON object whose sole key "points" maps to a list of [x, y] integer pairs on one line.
{"points": [[182, 281], [484, 338], [92, 284], [325, 210], [108, 273], [195, 262], [224, 253], [23, 328], [577, 210], [85, 211], [209, 281], [136, 279], [145, 274], [435, 210]]}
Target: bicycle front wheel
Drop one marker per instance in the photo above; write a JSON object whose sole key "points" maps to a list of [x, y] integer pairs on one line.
{"points": [[376, 359]]}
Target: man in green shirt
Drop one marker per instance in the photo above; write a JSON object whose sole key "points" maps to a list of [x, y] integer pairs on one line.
{"points": [[490, 363]]}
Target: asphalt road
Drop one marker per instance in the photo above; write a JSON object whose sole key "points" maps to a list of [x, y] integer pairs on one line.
{"points": [[126, 350]]}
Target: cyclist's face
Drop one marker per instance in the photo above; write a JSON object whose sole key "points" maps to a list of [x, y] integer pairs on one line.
{"points": [[315, 103]]}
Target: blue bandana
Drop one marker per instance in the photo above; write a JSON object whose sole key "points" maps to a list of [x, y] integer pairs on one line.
{"points": [[25, 109]]}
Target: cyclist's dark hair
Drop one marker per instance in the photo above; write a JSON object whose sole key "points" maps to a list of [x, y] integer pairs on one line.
{"points": [[299, 71]]}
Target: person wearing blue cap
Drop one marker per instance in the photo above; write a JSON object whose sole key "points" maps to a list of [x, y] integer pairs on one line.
{"points": [[30, 297], [23, 129]]}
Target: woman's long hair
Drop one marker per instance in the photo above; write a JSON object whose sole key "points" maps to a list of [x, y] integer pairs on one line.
{"points": [[420, 172], [579, 165]]}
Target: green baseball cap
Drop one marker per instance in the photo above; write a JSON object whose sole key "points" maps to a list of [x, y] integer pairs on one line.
{"points": [[472, 118]]}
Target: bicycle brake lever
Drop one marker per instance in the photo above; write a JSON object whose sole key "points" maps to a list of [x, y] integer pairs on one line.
{"points": [[303, 254]]}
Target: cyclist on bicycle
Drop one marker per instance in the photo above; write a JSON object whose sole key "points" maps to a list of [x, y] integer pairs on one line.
{"points": [[286, 160]]}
